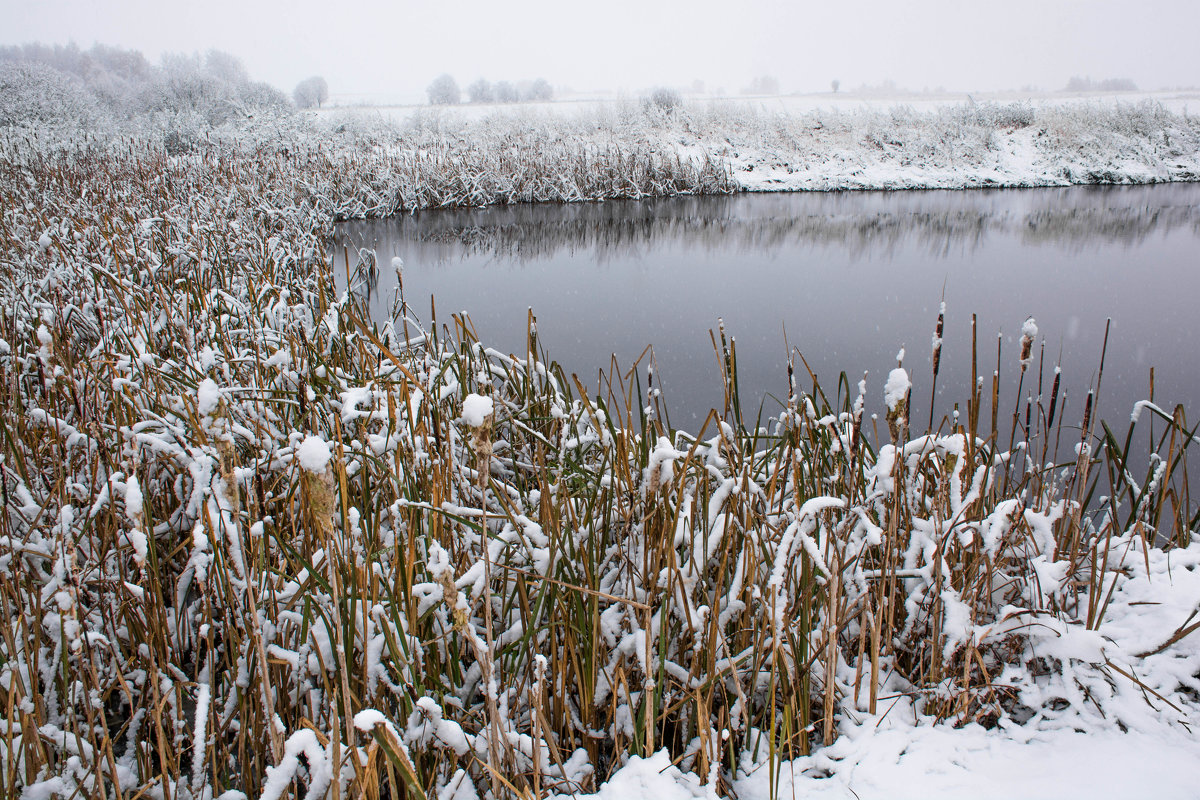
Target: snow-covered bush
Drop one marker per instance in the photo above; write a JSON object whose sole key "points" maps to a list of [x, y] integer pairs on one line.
{"points": [[663, 100], [999, 115]]}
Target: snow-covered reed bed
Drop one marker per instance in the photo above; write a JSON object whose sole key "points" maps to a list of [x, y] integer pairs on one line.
{"points": [[253, 544]]}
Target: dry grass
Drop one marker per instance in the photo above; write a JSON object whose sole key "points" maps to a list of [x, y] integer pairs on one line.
{"points": [[523, 601]]}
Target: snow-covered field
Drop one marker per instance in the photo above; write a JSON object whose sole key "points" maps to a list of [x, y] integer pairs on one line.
{"points": [[402, 109], [253, 544]]}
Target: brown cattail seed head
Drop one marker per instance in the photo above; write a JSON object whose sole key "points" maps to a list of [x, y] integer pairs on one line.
{"points": [[1029, 332]]}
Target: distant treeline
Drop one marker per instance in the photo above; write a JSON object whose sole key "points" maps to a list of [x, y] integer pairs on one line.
{"points": [[444, 91], [64, 84], [1078, 84]]}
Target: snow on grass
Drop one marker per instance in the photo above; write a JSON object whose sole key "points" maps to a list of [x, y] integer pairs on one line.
{"points": [[797, 578]]}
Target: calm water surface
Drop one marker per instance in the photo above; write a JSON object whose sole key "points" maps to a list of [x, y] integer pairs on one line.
{"points": [[850, 276]]}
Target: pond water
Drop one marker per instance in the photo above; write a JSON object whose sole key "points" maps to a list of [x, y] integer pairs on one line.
{"points": [[850, 276]]}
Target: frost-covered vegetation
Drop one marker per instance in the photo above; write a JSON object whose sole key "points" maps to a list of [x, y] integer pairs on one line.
{"points": [[961, 146], [103, 87], [254, 544]]}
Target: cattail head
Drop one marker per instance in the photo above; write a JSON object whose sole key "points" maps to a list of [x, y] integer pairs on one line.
{"points": [[1087, 414], [477, 412], [895, 393], [791, 373], [937, 339], [134, 503], [314, 456], [1029, 332], [45, 343], [1054, 397]]}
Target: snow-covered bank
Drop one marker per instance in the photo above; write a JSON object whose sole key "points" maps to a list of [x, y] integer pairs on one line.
{"points": [[786, 145], [971, 146], [1131, 737], [940, 763], [744, 147]]}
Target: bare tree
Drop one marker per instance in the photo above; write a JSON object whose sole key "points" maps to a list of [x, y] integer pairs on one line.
{"points": [[540, 90], [505, 92], [763, 84], [835, 84], [481, 92], [311, 92], [228, 68], [182, 85], [444, 91]]}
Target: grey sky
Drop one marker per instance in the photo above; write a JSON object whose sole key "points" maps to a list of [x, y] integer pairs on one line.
{"points": [[377, 46]]}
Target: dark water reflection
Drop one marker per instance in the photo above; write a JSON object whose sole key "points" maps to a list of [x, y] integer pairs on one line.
{"points": [[852, 276]]}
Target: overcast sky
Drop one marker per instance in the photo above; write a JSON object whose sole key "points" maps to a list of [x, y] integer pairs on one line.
{"points": [[399, 47]]}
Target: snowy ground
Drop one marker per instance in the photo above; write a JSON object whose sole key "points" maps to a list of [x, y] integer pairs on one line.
{"points": [[936, 763]]}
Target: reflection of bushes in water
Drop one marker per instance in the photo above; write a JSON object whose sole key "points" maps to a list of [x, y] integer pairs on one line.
{"points": [[529, 232], [1076, 227]]}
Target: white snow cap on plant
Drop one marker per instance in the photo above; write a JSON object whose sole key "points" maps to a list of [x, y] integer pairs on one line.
{"points": [[397, 262], [476, 409], [133, 499], [313, 454], [208, 397], [896, 388], [1030, 329], [45, 342]]}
